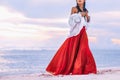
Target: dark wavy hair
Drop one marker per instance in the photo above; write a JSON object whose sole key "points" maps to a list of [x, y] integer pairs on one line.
{"points": [[84, 8]]}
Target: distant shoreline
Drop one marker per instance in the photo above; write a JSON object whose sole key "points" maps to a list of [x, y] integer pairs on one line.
{"points": [[47, 49]]}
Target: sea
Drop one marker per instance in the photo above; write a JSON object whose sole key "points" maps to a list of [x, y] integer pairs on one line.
{"points": [[15, 62]]}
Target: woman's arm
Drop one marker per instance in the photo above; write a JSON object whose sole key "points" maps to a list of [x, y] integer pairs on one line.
{"points": [[87, 17], [73, 10]]}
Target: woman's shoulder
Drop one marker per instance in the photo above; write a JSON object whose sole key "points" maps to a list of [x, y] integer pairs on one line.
{"points": [[74, 10]]}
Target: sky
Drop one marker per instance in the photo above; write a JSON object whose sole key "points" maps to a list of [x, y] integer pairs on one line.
{"points": [[43, 24]]}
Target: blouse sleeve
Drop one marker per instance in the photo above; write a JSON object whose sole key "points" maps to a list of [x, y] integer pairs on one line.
{"points": [[74, 19]]}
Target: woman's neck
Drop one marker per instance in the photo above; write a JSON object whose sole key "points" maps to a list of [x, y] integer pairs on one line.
{"points": [[81, 6]]}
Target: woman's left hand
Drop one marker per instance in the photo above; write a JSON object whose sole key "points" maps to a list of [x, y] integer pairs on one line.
{"points": [[83, 14], [88, 18]]}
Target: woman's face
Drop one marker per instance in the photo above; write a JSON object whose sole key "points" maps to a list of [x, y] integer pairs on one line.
{"points": [[80, 1]]}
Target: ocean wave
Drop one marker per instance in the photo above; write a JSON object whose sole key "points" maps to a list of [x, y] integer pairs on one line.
{"points": [[3, 60]]}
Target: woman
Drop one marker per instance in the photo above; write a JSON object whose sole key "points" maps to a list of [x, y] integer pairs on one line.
{"points": [[74, 56]]}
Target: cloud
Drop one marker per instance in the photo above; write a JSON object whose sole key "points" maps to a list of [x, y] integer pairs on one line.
{"points": [[92, 39], [38, 2], [49, 20], [110, 18], [115, 41], [9, 15], [104, 24], [19, 31], [27, 35]]}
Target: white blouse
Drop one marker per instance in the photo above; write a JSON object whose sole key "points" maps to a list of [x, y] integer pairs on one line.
{"points": [[76, 22]]}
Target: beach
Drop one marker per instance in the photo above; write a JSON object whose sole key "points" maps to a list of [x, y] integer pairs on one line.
{"points": [[102, 74], [31, 64]]}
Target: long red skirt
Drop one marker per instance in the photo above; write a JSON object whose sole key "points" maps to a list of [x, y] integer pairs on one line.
{"points": [[73, 57]]}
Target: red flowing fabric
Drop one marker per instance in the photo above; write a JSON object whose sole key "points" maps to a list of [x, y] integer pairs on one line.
{"points": [[73, 57]]}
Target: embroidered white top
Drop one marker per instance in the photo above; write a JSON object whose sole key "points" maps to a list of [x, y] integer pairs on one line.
{"points": [[76, 22]]}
